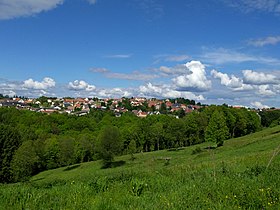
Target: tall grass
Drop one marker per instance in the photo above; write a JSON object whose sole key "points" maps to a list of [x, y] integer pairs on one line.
{"points": [[234, 176]]}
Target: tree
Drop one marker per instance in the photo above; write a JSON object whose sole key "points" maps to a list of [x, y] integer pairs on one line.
{"points": [[181, 113], [175, 133], [192, 129], [253, 122], [268, 116], [163, 108], [66, 151], [9, 143], [84, 148], [109, 144], [230, 119], [132, 148], [43, 99], [51, 154], [156, 134], [25, 162], [240, 127], [217, 130]]}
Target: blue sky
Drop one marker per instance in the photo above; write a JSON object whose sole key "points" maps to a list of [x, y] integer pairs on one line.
{"points": [[214, 51]]}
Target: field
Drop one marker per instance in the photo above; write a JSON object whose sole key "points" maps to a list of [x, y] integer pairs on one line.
{"points": [[242, 174]]}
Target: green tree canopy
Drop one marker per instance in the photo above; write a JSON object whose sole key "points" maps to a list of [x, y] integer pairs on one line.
{"points": [[25, 161], [9, 143], [109, 144], [217, 130]]}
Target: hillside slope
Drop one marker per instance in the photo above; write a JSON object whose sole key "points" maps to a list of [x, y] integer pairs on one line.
{"points": [[243, 174]]}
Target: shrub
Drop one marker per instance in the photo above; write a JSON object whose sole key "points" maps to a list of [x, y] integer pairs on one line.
{"points": [[196, 150]]}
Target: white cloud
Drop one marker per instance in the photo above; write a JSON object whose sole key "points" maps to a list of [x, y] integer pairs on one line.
{"points": [[98, 70], [119, 56], [196, 80], [265, 91], [276, 88], [175, 70], [171, 58], [80, 85], [222, 56], [259, 105], [165, 91], [232, 81], [45, 84], [113, 93], [150, 89], [177, 58], [17, 8], [10, 9], [92, 1], [132, 76], [269, 6], [10, 93], [259, 78], [244, 87], [135, 75], [271, 40]]}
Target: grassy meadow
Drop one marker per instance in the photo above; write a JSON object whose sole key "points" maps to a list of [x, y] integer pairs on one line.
{"points": [[242, 174]]}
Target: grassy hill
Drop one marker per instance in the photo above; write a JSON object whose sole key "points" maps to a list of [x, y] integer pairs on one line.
{"points": [[243, 174]]}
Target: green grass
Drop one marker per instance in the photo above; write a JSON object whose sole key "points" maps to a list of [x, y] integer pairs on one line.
{"points": [[235, 176]]}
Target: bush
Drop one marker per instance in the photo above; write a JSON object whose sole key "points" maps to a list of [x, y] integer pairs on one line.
{"points": [[196, 150]]}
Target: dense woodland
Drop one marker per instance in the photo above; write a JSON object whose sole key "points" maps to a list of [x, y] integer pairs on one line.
{"points": [[31, 142]]}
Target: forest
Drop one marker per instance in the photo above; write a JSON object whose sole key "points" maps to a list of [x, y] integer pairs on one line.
{"points": [[32, 142]]}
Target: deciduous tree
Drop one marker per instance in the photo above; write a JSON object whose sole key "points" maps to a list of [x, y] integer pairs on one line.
{"points": [[217, 130], [109, 144]]}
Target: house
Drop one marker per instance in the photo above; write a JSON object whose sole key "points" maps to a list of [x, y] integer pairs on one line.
{"points": [[82, 113], [67, 104], [86, 108], [68, 100], [70, 109], [18, 100], [134, 112], [34, 109], [28, 101], [168, 104], [47, 111], [142, 114], [57, 108]]}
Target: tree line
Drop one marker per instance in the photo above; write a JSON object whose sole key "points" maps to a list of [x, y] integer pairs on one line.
{"points": [[31, 142]]}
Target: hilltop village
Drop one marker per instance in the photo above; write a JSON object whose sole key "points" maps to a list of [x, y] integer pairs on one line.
{"points": [[141, 107]]}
